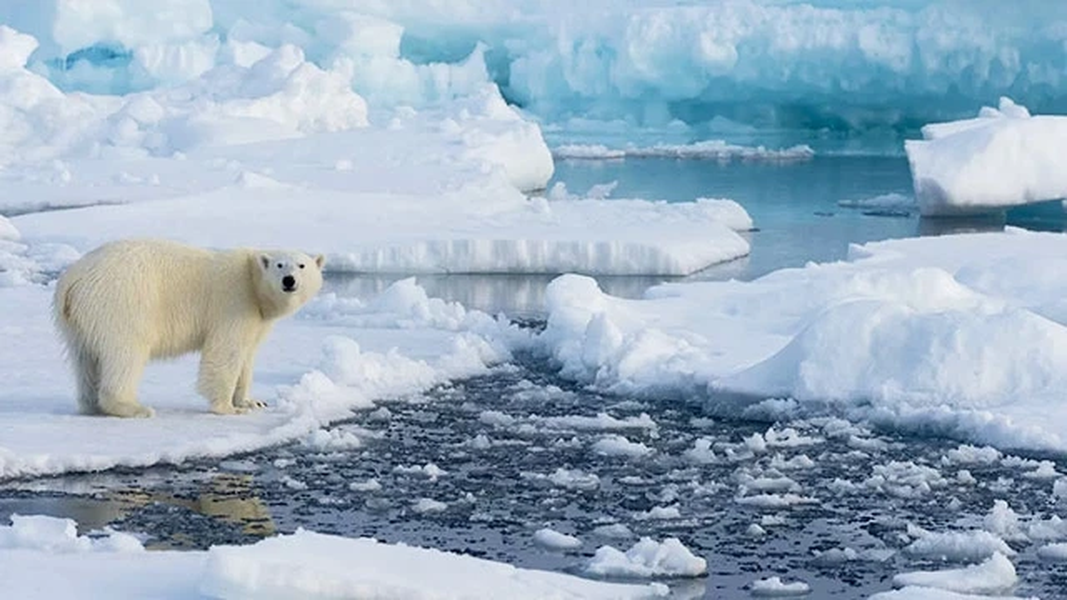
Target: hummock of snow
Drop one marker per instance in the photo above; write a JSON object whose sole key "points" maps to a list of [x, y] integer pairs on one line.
{"points": [[895, 335], [996, 574], [775, 587], [647, 558], [1004, 157], [43, 557]]}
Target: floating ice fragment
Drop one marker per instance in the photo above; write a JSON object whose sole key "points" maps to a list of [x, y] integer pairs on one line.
{"points": [[647, 558]]}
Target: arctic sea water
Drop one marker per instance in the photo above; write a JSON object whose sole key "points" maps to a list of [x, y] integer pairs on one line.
{"points": [[803, 211]]}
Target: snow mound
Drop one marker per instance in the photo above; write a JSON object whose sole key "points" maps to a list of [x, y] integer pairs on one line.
{"points": [[647, 558], [1004, 157], [893, 335], [311, 565]]}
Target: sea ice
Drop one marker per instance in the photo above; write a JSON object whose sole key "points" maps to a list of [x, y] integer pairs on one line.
{"points": [[555, 540], [1003, 158], [312, 565], [647, 558], [892, 335], [995, 574], [775, 587]]}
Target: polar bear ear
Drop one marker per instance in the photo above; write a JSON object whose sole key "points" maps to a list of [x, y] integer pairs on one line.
{"points": [[320, 260], [264, 261]]}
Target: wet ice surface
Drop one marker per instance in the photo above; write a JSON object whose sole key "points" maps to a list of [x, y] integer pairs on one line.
{"points": [[482, 465]]}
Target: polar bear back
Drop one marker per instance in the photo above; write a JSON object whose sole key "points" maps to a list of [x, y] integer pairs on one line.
{"points": [[156, 293]]}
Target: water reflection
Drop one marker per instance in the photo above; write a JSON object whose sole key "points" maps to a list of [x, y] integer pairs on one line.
{"points": [[98, 500]]}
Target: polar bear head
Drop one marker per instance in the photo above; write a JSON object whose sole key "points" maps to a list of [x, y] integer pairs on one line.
{"points": [[287, 280]]}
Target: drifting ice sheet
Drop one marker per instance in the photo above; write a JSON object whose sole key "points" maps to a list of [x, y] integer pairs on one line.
{"points": [[490, 230]]}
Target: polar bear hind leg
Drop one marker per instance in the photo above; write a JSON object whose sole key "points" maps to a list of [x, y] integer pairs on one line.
{"points": [[120, 375]]}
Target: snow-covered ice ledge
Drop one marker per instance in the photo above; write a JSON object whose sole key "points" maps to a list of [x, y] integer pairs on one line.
{"points": [[311, 370], [305, 564], [1005, 157], [958, 334]]}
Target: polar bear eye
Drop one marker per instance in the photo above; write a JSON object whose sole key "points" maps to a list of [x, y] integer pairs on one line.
{"points": [[279, 265], [301, 265]]}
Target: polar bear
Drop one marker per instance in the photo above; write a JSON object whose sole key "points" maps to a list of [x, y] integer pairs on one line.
{"points": [[131, 301]]}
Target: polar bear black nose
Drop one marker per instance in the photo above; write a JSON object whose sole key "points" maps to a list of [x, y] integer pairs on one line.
{"points": [[288, 283]]}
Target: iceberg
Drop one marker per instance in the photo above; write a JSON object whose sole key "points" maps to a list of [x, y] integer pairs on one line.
{"points": [[829, 66], [1005, 157]]}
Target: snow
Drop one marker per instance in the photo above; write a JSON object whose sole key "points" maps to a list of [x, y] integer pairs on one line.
{"points": [[995, 574], [35, 549], [1005, 157], [894, 335], [647, 558]]}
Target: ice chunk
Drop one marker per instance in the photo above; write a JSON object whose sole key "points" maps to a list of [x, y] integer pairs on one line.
{"points": [[647, 558], [53, 535], [617, 445], [552, 539], [775, 587], [995, 574], [958, 546], [1003, 158]]}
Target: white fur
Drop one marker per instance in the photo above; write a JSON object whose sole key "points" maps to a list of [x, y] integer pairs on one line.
{"points": [[131, 301]]}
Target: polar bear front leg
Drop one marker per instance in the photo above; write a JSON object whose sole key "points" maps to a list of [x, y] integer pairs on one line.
{"points": [[241, 400], [220, 370]]}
